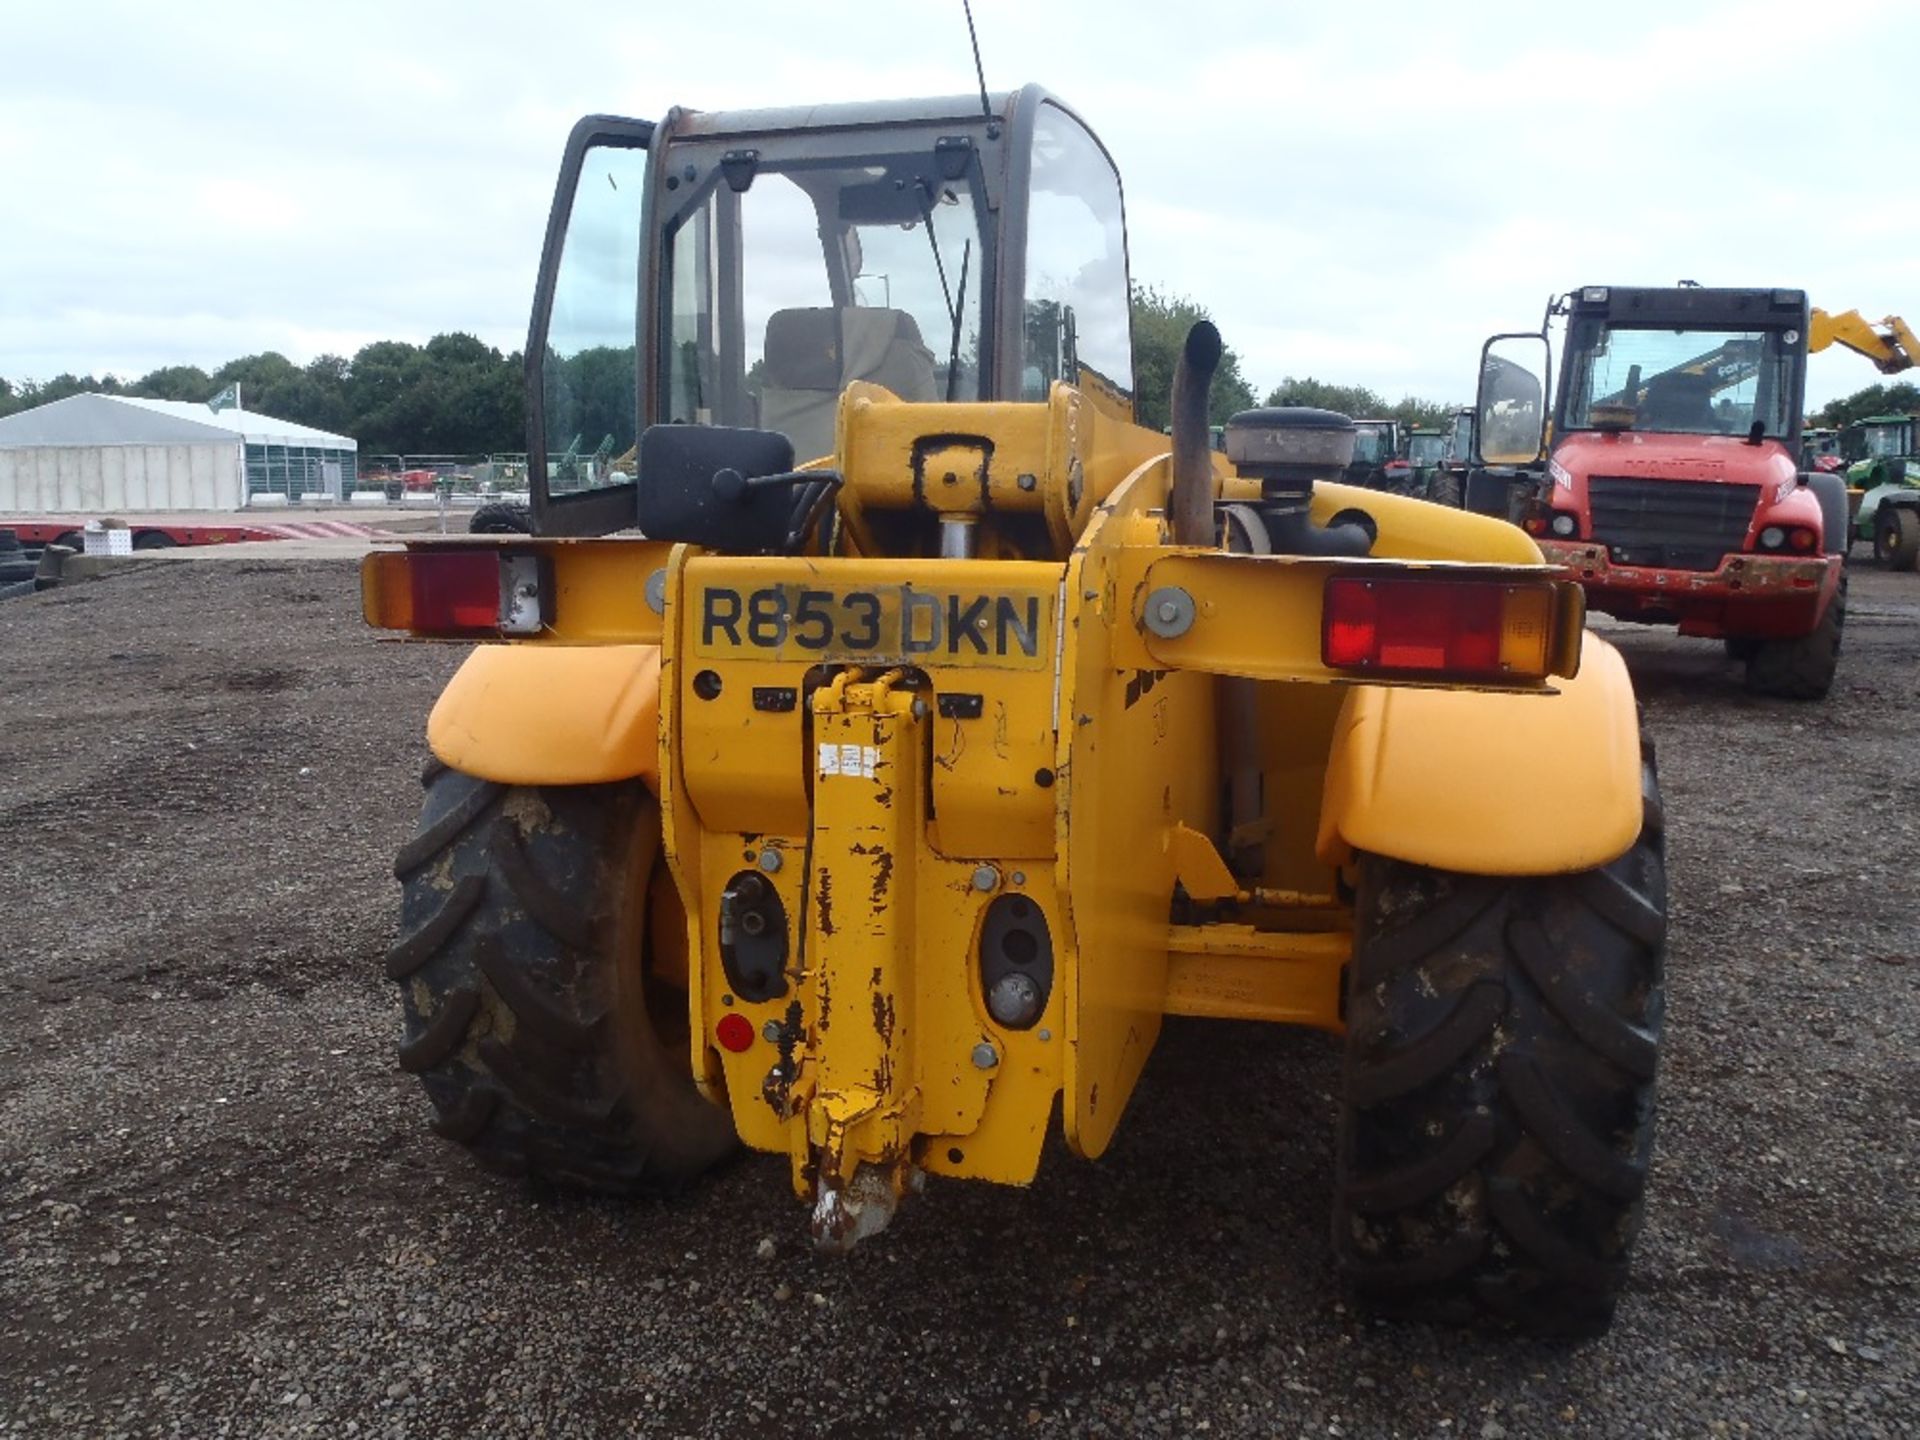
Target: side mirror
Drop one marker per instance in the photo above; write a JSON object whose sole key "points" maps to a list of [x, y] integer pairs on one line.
{"points": [[1510, 411], [729, 490]]}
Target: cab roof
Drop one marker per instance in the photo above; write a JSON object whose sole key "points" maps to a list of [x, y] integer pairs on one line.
{"points": [[845, 115], [1684, 305]]}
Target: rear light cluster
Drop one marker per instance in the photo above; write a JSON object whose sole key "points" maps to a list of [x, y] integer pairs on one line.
{"points": [[1797, 538], [1447, 629], [456, 592], [1561, 524]]}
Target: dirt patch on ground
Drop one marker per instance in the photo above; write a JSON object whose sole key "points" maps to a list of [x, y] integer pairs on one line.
{"points": [[221, 1211]]}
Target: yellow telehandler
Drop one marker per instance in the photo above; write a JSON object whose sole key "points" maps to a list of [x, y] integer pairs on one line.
{"points": [[862, 768]]}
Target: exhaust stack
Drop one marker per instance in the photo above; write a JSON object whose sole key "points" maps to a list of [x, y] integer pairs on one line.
{"points": [[1190, 506]]}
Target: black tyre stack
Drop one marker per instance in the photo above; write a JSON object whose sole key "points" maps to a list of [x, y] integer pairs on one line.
{"points": [[16, 564]]}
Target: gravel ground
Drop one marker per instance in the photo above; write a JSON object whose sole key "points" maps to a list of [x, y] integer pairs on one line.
{"points": [[221, 1212]]}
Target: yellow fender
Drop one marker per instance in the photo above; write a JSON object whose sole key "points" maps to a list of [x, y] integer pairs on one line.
{"points": [[552, 715], [1489, 784]]}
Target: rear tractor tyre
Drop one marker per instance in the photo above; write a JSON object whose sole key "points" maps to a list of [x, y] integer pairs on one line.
{"points": [[522, 972], [1503, 1036], [501, 517], [1487, 494], [1445, 490], [1802, 668], [1896, 536]]}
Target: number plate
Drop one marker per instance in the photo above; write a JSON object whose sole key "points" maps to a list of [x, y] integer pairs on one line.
{"points": [[879, 624]]}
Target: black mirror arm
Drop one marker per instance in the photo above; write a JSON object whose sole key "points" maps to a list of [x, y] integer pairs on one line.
{"points": [[813, 489], [810, 502], [730, 484]]}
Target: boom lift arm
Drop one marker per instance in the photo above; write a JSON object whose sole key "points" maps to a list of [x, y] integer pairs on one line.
{"points": [[1890, 344]]}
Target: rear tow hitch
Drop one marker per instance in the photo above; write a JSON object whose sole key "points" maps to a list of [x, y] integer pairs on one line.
{"points": [[843, 1216]]}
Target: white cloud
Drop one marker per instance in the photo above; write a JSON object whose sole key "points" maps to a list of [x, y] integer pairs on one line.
{"points": [[1361, 193]]}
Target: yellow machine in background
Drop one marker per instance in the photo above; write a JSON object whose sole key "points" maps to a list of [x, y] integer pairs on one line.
{"points": [[1890, 344], [874, 811]]}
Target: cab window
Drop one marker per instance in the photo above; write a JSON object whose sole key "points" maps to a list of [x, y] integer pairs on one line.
{"points": [[818, 271], [1078, 316]]}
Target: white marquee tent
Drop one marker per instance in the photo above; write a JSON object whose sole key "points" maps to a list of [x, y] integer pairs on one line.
{"points": [[108, 453]]}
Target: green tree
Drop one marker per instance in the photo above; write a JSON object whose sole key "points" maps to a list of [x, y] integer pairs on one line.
{"points": [[1356, 401], [1160, 325], [1361, 403], [454, 395], [269, 384], [1426, 414], [473, 395], [64, 385], [597, 399], [380, 396], [175, 382], [1900, 398]]}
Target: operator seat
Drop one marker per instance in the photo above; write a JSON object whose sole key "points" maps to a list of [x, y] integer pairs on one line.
{"points": [[1679, 402], [813, 354]]}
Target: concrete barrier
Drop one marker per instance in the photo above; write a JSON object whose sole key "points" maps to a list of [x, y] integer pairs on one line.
{"points": [[52, 567]]}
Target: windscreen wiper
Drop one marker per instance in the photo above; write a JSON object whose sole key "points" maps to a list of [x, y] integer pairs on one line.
{"points": [[933, 243], [955, 312], [959, 312]]}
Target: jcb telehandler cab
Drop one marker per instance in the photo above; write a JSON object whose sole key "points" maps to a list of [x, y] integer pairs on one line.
{"points": [[947, 729]]}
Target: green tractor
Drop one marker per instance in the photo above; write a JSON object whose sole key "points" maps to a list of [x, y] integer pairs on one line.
{"points": [[1426, 449], [1377, 463], [1449, 485], [1884, 476]]}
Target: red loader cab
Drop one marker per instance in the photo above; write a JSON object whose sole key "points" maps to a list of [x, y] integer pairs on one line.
{"points": [[1672, 489]]}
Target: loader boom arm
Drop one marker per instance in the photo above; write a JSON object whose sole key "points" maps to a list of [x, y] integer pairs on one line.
{"points": [[1889, 343]]}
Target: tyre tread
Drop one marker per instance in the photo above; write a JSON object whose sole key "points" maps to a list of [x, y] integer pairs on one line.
{"points": [[508, 985], [1430, 1175], [551, 910], [420, 944], [1503, 1044], [436, 837], [1598, 1027], [1802, 668], [1388, 1075], [443, 1033], [1557, 1128]]}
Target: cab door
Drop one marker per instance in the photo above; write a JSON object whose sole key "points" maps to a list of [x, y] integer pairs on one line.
{"points": [[582, 357]]}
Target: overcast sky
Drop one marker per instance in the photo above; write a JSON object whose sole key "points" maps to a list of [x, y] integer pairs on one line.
{"points": [[1357, 191]]}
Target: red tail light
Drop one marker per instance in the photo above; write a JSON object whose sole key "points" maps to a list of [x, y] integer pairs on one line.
{"points": [[1447, 629], [456, 592], [446, 592]]}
